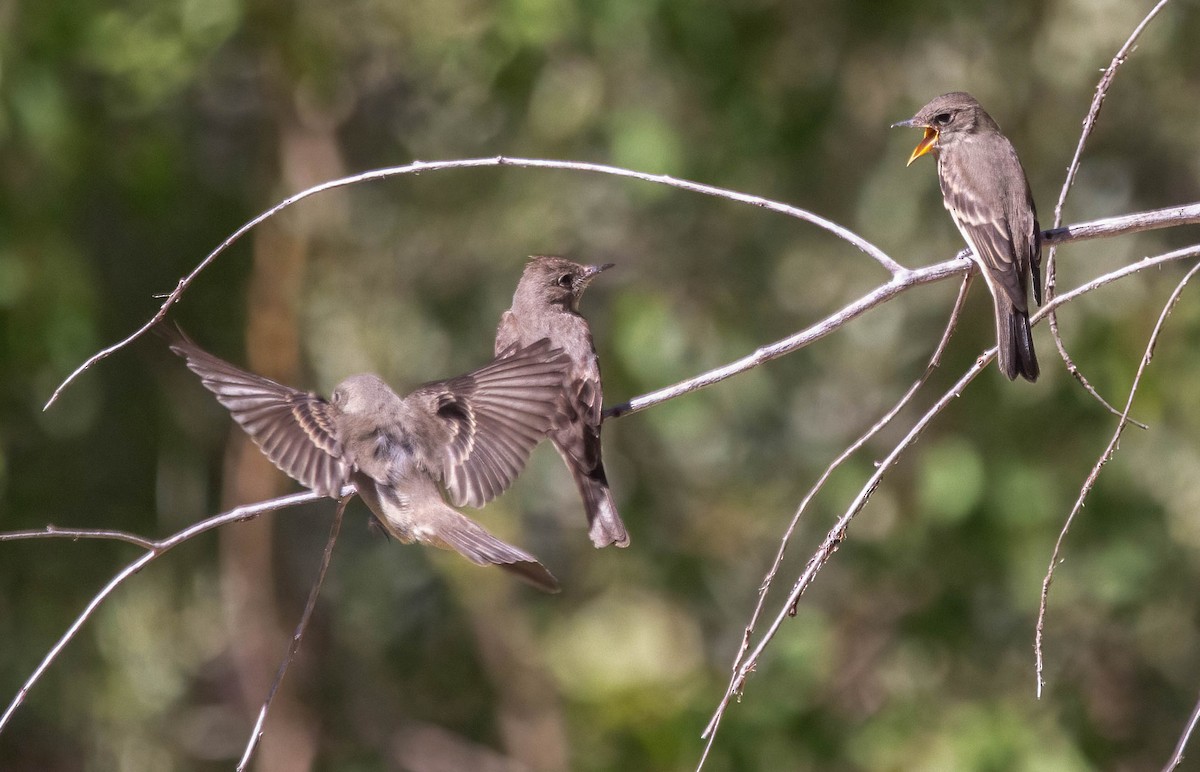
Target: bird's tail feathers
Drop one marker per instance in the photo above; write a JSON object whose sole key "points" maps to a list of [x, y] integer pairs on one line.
{"points": [[1014, 341], [473, 542], [604, 524], [1027, 364]]}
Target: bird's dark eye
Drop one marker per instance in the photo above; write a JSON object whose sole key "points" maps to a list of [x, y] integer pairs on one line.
{"points": [[337, 397], [566, 280], [941, 119]]}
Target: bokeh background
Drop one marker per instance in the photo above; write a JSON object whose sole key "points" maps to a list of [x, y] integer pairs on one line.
{"points": [[135, 135]]}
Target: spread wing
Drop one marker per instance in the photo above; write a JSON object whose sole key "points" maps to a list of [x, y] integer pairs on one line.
{"points": [[494, 417], [295, 429], [996, 217]]}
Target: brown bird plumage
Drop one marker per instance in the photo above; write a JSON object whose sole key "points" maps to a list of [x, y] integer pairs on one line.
{"points": [[987, 194], [546, 305], [471, 434]]}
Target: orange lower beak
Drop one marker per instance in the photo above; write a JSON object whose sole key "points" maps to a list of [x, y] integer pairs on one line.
{"points": [[924, 146]]}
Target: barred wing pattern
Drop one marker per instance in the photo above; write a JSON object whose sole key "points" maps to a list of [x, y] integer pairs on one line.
{"points": [[293, 428], [495, 416]]}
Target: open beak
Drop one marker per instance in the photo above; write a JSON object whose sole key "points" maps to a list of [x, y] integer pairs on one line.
{"points": [[924, 146], [927, 142]]}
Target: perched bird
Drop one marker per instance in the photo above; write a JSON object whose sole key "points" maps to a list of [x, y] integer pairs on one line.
{"points": [[546, 305], [470, 435], [985, 189]]}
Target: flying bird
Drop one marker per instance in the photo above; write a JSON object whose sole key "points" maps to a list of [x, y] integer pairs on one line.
{"points": [[466, 438]]}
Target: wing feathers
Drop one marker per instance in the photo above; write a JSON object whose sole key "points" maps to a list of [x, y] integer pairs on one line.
{"points": [[499, 413], [293, 428]]}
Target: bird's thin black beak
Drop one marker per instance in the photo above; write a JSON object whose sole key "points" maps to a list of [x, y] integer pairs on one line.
{"points": [[591, 270], [911, 123]]}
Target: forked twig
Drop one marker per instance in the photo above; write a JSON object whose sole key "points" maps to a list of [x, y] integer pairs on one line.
{"points": [[1090, 482], [764, 588], [155, 550]]}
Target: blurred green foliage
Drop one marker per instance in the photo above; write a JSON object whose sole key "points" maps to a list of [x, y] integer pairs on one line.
{"points": [[136, 135]]}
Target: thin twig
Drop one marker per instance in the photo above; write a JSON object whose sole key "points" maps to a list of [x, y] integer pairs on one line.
{"points": [[1090, 482], [75, 534], [419, 167], [798, 340], [764, 588], [1177, 756], [833, 540], [1183, 253], [297, 636], [156, 550], [1089, 123]]}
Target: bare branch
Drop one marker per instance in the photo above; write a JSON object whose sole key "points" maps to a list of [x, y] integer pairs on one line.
{"points": [[297, 636], [75, 534], [811, 334], [1154, 219], [1111, 226], [1090, 482], [834, 538], [156, 550], [1173, 256], [1089, 123], [418, 167]]}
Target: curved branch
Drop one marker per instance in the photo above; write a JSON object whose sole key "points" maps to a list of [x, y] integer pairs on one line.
{"points": [[1110, 226], [418, 167]]}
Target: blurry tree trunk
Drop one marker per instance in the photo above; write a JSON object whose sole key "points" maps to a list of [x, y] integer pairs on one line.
{"points": [[529, 711], [307, 153]]}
